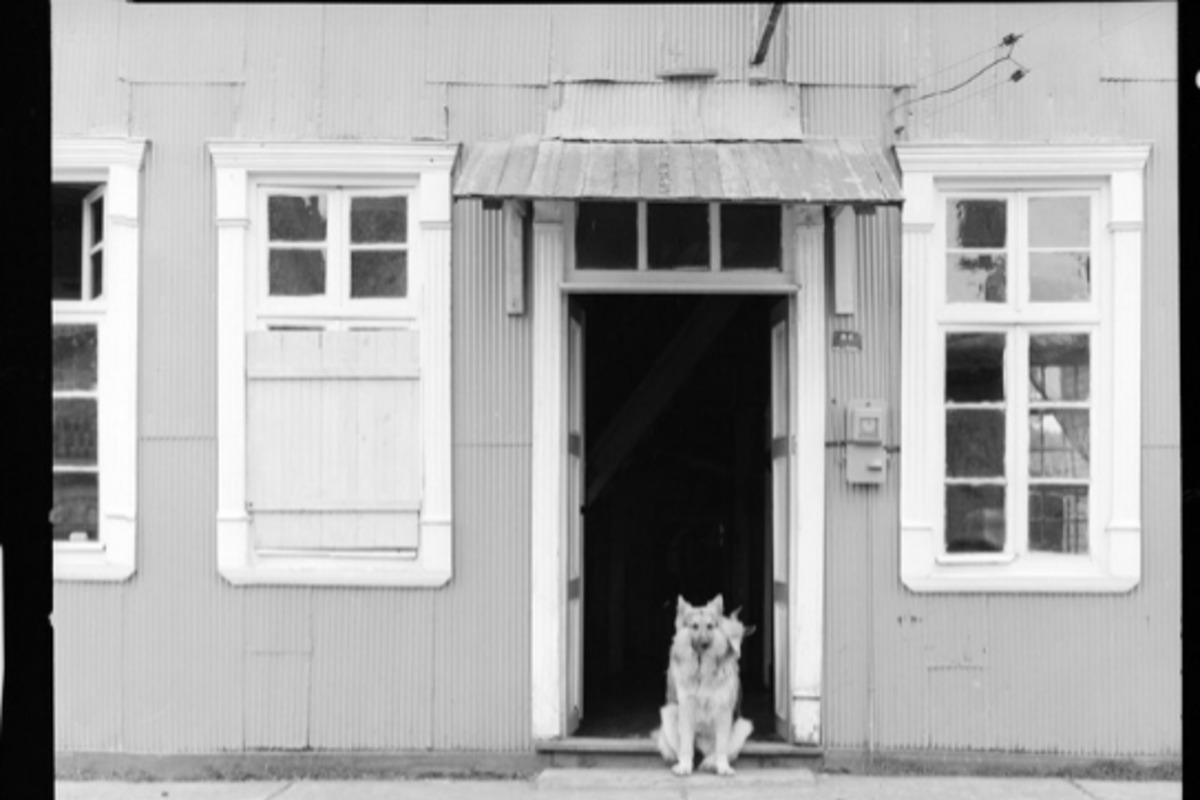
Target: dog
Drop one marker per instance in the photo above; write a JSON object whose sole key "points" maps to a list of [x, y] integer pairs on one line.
{"points": [[704, 690]]}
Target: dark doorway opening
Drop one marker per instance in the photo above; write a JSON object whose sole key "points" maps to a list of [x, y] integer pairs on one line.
{"points": [[678, 500]]}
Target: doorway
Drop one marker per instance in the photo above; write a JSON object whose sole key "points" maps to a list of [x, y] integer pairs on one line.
{"points": [[677, 494]]}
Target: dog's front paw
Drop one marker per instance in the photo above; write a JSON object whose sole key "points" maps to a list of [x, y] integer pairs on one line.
{"points": [[709, 764], [682, 768]]}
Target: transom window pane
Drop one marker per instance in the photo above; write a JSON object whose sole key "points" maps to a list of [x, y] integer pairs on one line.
{"points": [[750, 236], [974, 275], [606, 235], [1060, 264], [1062, 277], [378, 219], [297, 219], [1059, 222], [677, 236], [68, 259], [976, 224], [74, 357]]}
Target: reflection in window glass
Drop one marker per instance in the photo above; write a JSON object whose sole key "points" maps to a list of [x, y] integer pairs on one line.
{"points": [[1058, 443], [606, 235], [1059, 222], [1058, 366], [66, 225], [976, 223], [677, 235], [750, 236], [976, 278], [75, 514], [1062, 277], [74, 357], [297, 219], [975, 519], [1058, 519], [75, 432], [974, 443], [974, 367]]}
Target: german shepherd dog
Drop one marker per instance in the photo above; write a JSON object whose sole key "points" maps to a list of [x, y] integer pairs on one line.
{"points": [[703, 690]]}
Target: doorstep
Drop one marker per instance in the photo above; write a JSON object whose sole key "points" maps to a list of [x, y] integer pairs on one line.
{"points": [[643, 746]]}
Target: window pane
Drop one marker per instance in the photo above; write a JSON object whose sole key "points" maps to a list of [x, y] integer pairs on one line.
{"points": [[1058, 443], [750, 236], [74, 357], [677, 235], [975, 519], [97, 273], [1060, 277], [74, 515], [97, 207], [606, 236], [378, 219], [974, 443], [1058, 366], [975, 278], [75, 432], [1058, 519], [974, 367], [976, 223], [296, 273], [296, 219], [378, 273], [1059, 222], [66, 221]]}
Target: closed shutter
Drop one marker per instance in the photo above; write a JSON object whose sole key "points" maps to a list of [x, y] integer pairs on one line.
{"points": [[334, 437]]}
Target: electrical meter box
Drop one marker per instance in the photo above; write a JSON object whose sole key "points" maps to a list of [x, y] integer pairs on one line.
{"points": [[866, 430]]}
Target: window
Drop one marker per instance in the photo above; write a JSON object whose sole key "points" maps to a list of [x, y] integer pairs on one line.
{"points": [[94, 263], [670, 241], [1022, 278], [333, 363]]}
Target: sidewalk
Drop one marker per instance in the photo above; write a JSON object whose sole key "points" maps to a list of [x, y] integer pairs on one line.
{"points": [[593, 784]]}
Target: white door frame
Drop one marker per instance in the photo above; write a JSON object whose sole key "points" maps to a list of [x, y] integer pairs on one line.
{"points": [[805, 250]]}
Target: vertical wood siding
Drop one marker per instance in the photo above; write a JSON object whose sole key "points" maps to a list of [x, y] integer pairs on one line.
{"points": [[176, 660]]}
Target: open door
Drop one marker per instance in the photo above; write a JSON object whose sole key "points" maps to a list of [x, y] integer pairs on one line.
{"points": [[575, 500], [782, 449]]}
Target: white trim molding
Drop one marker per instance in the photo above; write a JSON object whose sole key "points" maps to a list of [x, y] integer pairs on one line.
{"points": [[1113, 563], [117, 163], [238, 164]]}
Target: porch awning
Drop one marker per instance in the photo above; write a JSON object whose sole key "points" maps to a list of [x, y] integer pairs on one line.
{"points": [[823, 171]]}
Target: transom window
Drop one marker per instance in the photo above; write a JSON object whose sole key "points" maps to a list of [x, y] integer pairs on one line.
{"points": [[334, 258], [678, 237]]}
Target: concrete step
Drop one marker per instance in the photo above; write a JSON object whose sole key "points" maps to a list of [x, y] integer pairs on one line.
{"points": [[615, 779]]}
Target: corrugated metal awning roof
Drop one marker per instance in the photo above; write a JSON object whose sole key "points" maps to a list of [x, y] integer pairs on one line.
{"points": [[826, 171]]}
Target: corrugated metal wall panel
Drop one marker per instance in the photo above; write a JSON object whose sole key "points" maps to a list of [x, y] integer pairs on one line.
{"points": [[373, 682], [373, 86], [495, 112], [486, 708], [1146, 54], [201, 43], [857, 112], [88, 629], [284, 61], [867, 44], [178, 291], [276, 694], [473, 43], [182, 662], [493, 374], [681, 111], [86, 97], [632, 43]]}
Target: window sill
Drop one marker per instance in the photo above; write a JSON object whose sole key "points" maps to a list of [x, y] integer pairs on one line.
{"points": [[285, 573], [90, 565]]}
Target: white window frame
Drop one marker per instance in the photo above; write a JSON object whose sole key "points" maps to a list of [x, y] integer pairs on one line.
{"points": [[1114, 175], [116, 164], [243, 169]]}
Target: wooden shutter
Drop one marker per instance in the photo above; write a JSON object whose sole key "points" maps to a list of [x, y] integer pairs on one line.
{"points": [[333, 439]]}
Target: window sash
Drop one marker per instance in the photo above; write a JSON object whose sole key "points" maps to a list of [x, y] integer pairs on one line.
{"points": [[1017, 406], [335, 309]]}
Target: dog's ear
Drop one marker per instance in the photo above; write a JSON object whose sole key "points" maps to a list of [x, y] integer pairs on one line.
{"points": [[681, 608], [733, 615], [749, 630], [717, 604]]}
